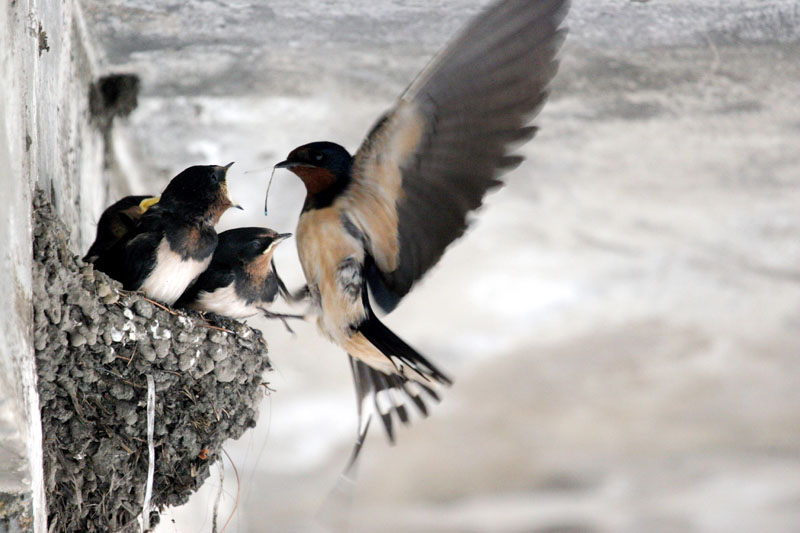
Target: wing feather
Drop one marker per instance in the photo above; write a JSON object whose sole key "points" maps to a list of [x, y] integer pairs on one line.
{"points": [[430, 160]]}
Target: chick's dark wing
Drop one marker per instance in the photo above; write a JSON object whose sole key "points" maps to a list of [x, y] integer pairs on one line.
{"points": [[217, 275], [132, 258], [430, 160]]}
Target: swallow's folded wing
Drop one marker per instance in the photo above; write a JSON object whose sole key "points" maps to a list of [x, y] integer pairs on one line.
{"points": [[429, 161]]}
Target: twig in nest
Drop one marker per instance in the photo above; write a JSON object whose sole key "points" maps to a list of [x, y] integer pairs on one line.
{"points": [[127, 448], [74, 397], [120, 377], [216, 412], [133, 354], [176, 313], [161, 306], [218, 328]]}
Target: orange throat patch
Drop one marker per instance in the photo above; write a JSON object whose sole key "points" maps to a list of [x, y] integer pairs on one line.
{"points": [[316, 179], [220, 205], [259, 268]]}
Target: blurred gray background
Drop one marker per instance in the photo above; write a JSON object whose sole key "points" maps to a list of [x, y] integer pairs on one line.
{"points": [[623, 320]]}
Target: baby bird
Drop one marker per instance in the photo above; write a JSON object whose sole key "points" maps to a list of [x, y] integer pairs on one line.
{"points": [[241, 280], [116, 221], [175, 239]]}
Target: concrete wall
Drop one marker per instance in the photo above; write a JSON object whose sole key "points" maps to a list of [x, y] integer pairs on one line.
{"points": [[47, 139]]}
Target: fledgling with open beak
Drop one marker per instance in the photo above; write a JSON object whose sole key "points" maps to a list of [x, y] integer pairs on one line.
{"points": [[175, 239], [241, 280], [380, 219], [116, 221]]}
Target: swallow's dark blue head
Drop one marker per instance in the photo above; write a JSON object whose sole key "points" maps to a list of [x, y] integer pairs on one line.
{"points": [[321, 165], [199, 191]]}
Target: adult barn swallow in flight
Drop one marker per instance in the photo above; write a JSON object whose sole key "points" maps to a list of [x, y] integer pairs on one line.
{"points": [[174, 240], [116, 221], [241, 280], [380, 219]]}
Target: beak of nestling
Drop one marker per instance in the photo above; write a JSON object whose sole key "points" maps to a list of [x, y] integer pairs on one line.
{"points": [[147, 203], [227, 190], [276, 240]]}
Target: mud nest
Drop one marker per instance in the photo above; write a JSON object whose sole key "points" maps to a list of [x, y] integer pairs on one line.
{"points": [[95, 346]]}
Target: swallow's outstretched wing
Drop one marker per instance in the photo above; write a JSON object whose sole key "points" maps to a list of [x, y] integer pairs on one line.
{"points": [[430, 160]]}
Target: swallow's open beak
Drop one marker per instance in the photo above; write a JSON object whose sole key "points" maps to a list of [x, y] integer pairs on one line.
{"points": [[227, 190], [288, 164], [294, 164]]}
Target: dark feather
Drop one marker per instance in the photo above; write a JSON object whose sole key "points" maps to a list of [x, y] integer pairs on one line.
{"points": [[235, 249], [282, 290], [211, 279], [476, 99], [403, 356], [184, 218], [133, 257], [116, 221], [385, 395], [369, 383]]}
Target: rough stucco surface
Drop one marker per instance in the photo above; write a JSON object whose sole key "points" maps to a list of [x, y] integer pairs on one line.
{"points": [[95, 345], [45, 131], [47, 137]]}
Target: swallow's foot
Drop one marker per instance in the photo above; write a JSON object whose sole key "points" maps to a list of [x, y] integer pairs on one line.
{"points": [[282, 317]]}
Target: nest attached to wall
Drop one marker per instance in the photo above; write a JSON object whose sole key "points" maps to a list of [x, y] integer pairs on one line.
{"points": [[95, 346]]}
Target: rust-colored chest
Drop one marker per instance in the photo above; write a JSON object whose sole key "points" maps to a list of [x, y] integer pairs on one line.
{"points": [[323, 243]]}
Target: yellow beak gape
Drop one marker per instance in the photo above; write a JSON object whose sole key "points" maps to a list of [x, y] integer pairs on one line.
{"points": [[147, 203]]}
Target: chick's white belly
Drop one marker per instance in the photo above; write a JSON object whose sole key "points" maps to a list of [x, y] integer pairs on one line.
{"points": [[171, 274], [224, 301]]}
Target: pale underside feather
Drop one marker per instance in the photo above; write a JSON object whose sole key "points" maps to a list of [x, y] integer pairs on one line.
{"points": [[224, 301], [323, 245], [387, 397], [171, 274]]}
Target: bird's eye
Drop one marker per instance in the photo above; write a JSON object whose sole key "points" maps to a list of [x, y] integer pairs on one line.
{"points": [[318, 157]]}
